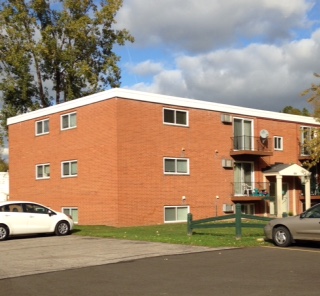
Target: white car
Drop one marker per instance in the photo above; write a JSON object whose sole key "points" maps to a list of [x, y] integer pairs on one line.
{"points": [[23, 217]]}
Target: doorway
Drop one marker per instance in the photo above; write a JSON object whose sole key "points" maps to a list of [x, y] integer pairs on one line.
{"points": [[243, 178], [242, 132]]}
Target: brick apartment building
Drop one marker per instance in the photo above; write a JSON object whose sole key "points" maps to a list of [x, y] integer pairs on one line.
{"points": [[124, 158]]}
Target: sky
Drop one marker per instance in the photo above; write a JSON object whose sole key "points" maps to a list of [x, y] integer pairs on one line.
{"points": [[251, 53]]}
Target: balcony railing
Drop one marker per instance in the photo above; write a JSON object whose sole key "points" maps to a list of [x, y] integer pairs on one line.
{"points": [[304, 152], [314, 190], [262, 190], [242, 145]]}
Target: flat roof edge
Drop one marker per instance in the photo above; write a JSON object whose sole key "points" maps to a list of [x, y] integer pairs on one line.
{"points": [[160, 99]]}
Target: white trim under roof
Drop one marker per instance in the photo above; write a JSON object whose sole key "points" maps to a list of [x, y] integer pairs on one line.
{"points": [[159, 99]]}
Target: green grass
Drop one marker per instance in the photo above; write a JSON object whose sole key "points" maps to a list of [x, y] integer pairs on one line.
{"points": [[177, 234]]}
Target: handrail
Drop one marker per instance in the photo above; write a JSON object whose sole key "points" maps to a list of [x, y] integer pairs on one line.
{"points": [[250, 143]]}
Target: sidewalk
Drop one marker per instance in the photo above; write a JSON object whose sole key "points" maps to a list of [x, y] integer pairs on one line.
{"points": [[26, 256]]}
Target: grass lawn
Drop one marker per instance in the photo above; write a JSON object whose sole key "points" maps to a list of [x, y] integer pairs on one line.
{"points": [[177, 234]]}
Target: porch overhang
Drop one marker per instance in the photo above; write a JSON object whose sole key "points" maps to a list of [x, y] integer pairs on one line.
{"points": [[287, 170], [281, 170]]}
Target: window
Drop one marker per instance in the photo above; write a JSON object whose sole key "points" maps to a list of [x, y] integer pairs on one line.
{"points": [[176, 166], [73, 212], [34, 208], [176, 214], [243, 131], [307, 134], [243, 178], [42, 127], [278, 143], [69, 121], [43, 171], [175, 117], [12, 208], [247, 209], [69, 168]]}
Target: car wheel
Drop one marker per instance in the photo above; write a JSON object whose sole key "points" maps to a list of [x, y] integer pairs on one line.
{"points": [[4, 232], [62, 228], [282, 237]]}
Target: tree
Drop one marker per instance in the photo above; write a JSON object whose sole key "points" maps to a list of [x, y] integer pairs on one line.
{"points": [[53, 51], [312, 136], [4, 167], [291, 110]]}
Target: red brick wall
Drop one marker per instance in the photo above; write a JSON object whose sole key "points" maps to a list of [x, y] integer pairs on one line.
{"points": [[93, 144], [120, 145]]}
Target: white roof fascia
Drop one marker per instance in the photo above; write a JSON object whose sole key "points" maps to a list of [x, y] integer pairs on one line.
{"points": [[160, 99]]}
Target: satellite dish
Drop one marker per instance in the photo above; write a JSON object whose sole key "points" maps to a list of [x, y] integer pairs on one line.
{"points": [[264, 134]]}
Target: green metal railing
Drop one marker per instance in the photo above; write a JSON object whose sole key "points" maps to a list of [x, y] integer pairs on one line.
{"points": [[238, 222]]}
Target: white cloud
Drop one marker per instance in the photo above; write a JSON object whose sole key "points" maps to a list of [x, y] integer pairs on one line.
{"points": [[202, 25], [146, 68], [241, 53], [258, 76]]}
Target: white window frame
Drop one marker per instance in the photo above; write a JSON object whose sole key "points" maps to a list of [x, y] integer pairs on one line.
{"points": [[70, 209], [175, 172], [176, 214], [68, 115], [45, 174], [243, 137], [307, 134], [278, 143], [70, 175], [42, 127], [243, 175], [175, 117]]}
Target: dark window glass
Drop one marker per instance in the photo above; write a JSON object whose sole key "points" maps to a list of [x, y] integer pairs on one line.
{"points": [[181, 117], [169, 116]]}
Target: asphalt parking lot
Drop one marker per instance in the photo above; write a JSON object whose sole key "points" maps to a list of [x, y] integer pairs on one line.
{"points": [[87, 266], [33, 255]]}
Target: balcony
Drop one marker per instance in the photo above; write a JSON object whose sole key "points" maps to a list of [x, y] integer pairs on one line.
{"points": [[314, 191], [246, 191], [304, 152], [247, 145]]}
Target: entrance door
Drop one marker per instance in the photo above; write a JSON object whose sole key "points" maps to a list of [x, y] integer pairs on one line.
{"points": [[243, 178], [242, 134], [285, 198]]}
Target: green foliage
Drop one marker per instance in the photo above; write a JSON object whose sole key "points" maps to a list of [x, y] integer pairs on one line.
{"points": [[4, 167], [295, 111], [56, 51], [177, 234], [312, 143], [314, 97]]}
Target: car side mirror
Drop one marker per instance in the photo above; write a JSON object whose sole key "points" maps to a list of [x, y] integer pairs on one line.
{"points": [[302, 215], [49, 213]]}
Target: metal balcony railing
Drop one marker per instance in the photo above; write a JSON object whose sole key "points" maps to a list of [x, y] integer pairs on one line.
{"points": [[253, 189], [251, 145], [304, 152]]}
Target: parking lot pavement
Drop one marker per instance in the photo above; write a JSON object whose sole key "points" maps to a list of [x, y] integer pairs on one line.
{"points": [[257, 271], [34, 255]]}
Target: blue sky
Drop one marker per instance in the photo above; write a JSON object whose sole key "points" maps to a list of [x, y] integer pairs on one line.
{"points": [[252, 53]]}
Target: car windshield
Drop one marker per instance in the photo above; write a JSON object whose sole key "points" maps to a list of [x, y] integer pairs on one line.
{"points": [[314, 212]]}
